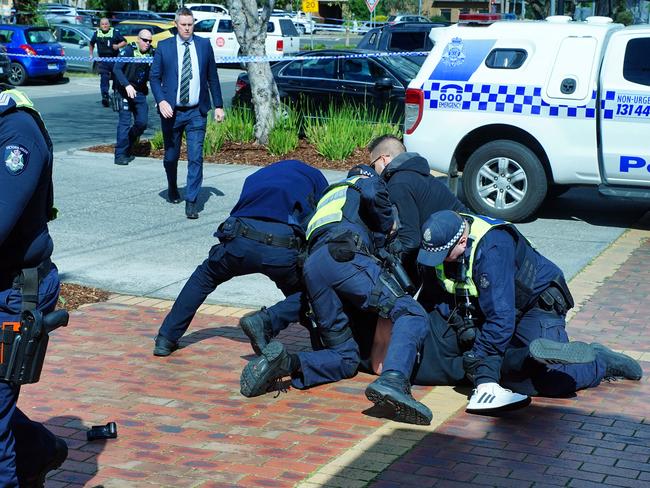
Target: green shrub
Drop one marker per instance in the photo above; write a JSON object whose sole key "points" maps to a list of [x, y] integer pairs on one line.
{"points": [[215, 135], [239, 124], [333, 132], [282, 141], [157, 141]]}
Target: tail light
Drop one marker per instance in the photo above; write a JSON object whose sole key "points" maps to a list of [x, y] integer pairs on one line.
{"points": [[28, 49], [414, 104], [239, 85], [62, 52], [279, 45]]}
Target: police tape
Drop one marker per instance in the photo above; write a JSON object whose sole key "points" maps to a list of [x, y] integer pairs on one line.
{"points": [[226, 59]]}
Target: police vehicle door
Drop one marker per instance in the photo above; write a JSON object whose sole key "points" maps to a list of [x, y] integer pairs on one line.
{"points": [[625, 109]]}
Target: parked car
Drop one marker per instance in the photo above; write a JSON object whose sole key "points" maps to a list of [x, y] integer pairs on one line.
{"points": [[281, 36], [378, 82], [411, 36], [5, 65], [304, 22], [75, 40], [160, 30], [31, 40], [148, 15], [206, 10], [394, 19], [57, 13]]}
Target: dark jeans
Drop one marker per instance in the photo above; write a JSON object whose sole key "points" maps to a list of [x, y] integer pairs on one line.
{"points": [[105, 70], [331, 286], [19, 436], [193, 124], [138, 110], [238, 257]]}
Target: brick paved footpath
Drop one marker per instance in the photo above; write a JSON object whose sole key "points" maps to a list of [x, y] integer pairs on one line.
{"points": [[182, 422]]}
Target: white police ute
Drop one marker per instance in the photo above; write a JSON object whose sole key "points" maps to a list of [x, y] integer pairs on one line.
{"points": [[525, 109]]}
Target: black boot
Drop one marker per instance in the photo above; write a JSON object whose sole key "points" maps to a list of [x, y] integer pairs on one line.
{"points": [[105, 101], [546, 351], [260, 373], [257, 326], [393, 392], [618, 365], [163, 346], [38, 480]]}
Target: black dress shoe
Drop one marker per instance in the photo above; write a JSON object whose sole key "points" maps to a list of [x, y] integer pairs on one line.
{"points": [[163, 346], [122, 162], [173, 196], [105, 101], [190, 210]]}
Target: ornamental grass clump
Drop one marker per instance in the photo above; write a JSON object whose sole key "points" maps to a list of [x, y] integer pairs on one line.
{"points": [[239, 124]]}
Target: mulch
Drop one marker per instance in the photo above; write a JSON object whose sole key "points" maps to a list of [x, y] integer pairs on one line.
{"points": [[251, 154], [73, 296]]}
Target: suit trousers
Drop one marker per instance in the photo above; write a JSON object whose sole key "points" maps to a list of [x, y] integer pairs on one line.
{"points": [[193, 124], [238, 257], [23, 443]]}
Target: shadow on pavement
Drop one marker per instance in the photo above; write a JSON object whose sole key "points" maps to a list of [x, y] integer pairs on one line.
{"points": [[204, 195]]}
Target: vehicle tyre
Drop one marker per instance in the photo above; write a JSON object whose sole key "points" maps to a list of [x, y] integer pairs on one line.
{"points": [[504, 179], [17, 74]]}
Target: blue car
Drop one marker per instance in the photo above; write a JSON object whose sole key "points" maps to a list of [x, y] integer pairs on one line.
{"points": [[31, 41]]}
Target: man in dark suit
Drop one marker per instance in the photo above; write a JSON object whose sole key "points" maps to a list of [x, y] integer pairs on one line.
{"points": [[183, 78]]}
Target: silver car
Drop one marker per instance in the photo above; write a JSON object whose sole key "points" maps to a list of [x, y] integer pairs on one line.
{"points": [[75, 39]]}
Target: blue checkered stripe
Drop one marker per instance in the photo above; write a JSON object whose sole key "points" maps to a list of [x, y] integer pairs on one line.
{"points": [[510, 99]]}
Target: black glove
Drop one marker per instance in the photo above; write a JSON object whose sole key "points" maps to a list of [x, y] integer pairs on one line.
{"points": [[470, 364]]}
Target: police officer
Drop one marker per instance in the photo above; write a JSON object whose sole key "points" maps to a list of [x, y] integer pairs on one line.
{"points": [[350, 223], [27, 276], [109, 42], [415, 193], [264, 234], [482, 271], [131, 84]]}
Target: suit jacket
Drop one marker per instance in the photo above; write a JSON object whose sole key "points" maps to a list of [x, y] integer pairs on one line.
{"points": [[164, 76]]}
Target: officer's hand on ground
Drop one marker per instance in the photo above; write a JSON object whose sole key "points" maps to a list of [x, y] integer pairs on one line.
{"points": [[130, 91], [166, 109], [219, 114]]}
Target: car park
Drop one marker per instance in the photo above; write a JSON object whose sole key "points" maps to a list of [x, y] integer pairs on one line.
{"points": [[395, 19], [403, 37], [160, 30], [281, 36], [329, 76], [75, 40], [57, 13], [206, 10], [23, 43]]}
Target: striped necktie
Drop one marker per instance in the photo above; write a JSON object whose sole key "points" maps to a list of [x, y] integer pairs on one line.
{"points": [[186, 74]]}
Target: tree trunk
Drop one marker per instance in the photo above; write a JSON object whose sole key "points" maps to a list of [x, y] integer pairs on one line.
{"points": [[250, 29]]}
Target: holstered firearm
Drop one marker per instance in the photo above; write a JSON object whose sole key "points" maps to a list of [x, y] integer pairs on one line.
{"points": [[24, 344], [394, 266]]}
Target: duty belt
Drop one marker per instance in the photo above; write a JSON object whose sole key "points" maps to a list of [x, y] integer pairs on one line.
{"points": [[28, 279], [268, 238]]}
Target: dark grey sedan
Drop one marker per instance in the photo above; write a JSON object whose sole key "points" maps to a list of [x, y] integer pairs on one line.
{"points": [[75, 39]]}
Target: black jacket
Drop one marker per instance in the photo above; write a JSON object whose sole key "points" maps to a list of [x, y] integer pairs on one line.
{"points": [[134, 74], [416, 194]]}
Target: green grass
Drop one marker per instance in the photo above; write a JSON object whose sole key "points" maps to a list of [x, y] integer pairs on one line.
{"points": [[239, 124], [157, 141]]}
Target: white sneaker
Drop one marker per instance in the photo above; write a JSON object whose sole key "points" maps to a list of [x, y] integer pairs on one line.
{"points": [[490, 397]]}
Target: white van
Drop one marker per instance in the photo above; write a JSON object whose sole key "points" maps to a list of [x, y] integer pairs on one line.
{"points": [[206, 10], [281, 36]]}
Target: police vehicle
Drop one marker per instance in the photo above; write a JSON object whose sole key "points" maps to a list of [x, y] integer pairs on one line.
{"points": [[525, 109]]}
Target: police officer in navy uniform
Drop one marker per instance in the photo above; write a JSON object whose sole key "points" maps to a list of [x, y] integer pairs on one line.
{"points": [[131, 84], [351, 222], [264, 234], [415, 192], [109, 42], [499, 293], [27, 449]]}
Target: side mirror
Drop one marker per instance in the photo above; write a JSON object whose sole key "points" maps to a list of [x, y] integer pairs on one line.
{"points": [[384, 84], [83, 43]]}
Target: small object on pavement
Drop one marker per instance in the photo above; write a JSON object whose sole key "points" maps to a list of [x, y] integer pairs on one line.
{"points": [[108, 431]]}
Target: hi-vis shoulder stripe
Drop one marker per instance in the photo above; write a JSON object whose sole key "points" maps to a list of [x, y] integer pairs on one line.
{"points": [[227, 59]]}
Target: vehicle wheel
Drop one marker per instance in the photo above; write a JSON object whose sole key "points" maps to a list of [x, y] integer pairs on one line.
{"points": [[17, 74], [504, 179]]}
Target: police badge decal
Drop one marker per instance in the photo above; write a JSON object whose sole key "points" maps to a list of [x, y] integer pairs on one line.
{"points": [[16, 158]]}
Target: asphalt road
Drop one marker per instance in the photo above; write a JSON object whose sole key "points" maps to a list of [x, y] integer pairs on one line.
{"points": [[117, 232]]}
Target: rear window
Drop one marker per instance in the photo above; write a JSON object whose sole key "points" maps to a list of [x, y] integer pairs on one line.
{"points": [[410, 41], [225, 25], [39, 36], [311, 68], [636, 65], [506, 58], [5, 36], [288, 28]]}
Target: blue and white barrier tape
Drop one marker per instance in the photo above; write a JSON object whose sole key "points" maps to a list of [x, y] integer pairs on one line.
{"points": [[228, 59]]}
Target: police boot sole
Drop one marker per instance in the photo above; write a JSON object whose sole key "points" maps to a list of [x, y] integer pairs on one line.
{"points": [[549, 352], [404, 408], [258, 341], [254, 382]]}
